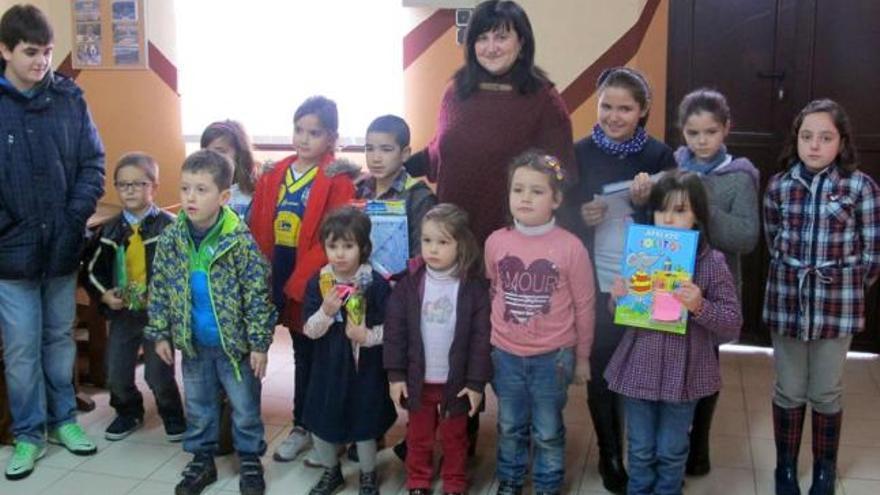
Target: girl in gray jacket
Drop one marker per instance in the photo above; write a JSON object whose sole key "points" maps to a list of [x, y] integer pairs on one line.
{"points": [[734, 225]]}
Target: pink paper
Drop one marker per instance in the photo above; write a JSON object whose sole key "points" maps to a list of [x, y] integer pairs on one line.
{"points": [[666, 307]]}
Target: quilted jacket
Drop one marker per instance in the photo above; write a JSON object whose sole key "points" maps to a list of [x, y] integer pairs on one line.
{"points": [[239, 288], [51, 177]]}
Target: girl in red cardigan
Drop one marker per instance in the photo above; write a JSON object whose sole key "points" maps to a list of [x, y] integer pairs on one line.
{"points": [[437, 347], [289, 203]]}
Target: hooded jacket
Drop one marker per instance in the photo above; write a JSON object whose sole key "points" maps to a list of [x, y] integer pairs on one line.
{"points": [[238, 287], [332, 188], [734, 221], [51, 177]]}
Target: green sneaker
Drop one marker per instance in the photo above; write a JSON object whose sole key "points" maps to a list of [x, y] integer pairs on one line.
{"points": [[74, 439], [21, 464]]}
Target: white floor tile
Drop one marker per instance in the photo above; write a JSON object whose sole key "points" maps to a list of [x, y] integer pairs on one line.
{"points": [[730, 452], [42, 478], [729, 422], [743, 452], [859, 462], [860, 487], [728, 481], [130, 459], [82, 483], [150, 487]]}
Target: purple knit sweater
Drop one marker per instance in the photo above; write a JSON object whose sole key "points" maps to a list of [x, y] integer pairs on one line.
{"points": [[476, 139], [662, 366]]}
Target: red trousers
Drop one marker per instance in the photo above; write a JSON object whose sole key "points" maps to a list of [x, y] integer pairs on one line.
{"points": [[420, 444]]}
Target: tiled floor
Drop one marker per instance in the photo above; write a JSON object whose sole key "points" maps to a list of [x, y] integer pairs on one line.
{"points": [[742, 446]]}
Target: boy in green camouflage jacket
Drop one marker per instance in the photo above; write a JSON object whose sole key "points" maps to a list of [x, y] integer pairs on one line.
{"points": [[209, 295]]}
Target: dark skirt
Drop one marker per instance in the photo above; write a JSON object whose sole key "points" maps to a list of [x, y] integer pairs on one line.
{"points": [[344, 402], [347, 401]]}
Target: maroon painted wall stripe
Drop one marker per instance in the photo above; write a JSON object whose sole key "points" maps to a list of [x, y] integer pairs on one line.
{"points": [[162, 67], [621, 52], [425, 34], [65, 68]]}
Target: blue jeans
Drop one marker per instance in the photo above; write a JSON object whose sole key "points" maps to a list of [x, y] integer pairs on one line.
{"points": [[203, 377], [532, 392], [657, 435], [36, 320], [126, 338]]}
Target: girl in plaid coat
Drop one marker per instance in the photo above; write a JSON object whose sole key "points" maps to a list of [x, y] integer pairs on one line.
{"points": [[822, 224], [661, 375]]}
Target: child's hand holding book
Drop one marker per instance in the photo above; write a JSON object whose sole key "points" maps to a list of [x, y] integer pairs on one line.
{"points": [[690, 296]]}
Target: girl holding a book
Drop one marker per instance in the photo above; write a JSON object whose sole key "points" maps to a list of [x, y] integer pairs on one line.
{"points": [[619, 151], [662, 375]]}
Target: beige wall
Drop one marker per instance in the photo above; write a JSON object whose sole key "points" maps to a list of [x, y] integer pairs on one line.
{"points": [[133, 109]]}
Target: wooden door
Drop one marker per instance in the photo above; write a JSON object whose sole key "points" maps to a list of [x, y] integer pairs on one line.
{"points": [[771, 57]]}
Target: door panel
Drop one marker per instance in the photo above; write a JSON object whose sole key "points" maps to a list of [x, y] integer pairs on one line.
{"points": [[770, 58]]}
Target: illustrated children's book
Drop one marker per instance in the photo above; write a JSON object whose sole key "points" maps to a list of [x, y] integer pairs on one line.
{"points": [[656, 260], [389, 235]]}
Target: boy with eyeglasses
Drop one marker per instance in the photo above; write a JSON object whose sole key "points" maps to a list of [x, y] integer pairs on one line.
{"points": [[119, 274]]}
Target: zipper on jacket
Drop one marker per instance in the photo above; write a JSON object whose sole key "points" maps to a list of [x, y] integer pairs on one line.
{"points": [[214, 258]]}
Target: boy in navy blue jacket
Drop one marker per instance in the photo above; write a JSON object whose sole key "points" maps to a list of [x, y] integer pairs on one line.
{"points": [[51, 176]]}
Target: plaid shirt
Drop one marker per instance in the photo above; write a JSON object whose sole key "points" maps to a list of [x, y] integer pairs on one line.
{"points": [[366, 189], [824, 240], [418, 197], [663, 366]]}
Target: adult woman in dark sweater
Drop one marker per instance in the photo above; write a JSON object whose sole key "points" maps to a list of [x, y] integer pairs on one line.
{"points": [[498, 105], [618, 150]]}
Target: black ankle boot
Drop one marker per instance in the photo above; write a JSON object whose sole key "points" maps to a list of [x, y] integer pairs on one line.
{"points": [[331, 482], [197, 475], [698, 457], [824, 478], [606, 416], [251, 480], [508, 488], [369, 483]]}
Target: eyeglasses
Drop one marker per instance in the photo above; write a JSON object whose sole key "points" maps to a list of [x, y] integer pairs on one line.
{"points": [[134, 186]]}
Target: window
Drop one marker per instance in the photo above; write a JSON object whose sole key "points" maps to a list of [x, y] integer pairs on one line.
{"points": [[256, 61]]}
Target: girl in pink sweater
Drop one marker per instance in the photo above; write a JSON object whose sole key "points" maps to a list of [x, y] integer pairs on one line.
{"points": [[542, 324]]}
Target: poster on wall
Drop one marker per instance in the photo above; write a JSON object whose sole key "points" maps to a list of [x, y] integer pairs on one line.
{"points": [[88, 43], [87, 19], [87, 10], [126, 49], [109, 27]]}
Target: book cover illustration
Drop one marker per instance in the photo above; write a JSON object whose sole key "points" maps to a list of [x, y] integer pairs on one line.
{"points": [[389, 235], [656, 260]]}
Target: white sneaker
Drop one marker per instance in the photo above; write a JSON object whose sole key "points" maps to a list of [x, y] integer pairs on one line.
{"points": [[295, 444]]}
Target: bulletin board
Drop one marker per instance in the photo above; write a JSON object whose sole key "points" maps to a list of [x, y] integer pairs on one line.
{"points": [[108, 34]]}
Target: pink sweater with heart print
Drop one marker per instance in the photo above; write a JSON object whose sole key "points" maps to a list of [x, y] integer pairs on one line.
{"points": [[543, 292]]}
